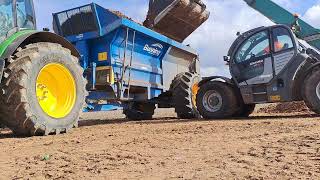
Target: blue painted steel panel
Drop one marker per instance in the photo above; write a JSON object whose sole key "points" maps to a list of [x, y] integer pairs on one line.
{"points": [[109, 22], [143, 46], [102, 107]]}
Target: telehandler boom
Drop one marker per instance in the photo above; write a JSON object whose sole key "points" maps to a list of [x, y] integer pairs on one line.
{"points": [[279, 15]]}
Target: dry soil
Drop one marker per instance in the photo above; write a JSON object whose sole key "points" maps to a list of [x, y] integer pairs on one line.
{"points": [[265, 146]]}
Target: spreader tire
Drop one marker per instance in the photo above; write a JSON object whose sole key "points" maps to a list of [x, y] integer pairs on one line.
{"points": [[184, 95], [139, 111]]}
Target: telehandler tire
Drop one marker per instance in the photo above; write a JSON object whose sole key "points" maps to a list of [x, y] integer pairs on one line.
{"points": [[245, 111], [139, 111], [311, 90], [43, 90], [184, 89], [217, 100]]}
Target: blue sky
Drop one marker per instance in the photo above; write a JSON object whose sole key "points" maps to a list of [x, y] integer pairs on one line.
{"points": [[211, 40], [299, 6]]}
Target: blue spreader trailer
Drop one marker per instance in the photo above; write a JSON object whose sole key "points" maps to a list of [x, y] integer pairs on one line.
{"points": [[129, 66]]}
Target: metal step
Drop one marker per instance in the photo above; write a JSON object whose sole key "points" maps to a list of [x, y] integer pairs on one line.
{"points": [[259, 93]]}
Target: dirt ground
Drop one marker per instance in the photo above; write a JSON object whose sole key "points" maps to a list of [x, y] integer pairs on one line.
{"points": [[286, 146]]}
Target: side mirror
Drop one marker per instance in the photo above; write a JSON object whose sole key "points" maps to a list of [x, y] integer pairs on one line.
{"points": [[238, 33], [46, 29], [226, 59]]}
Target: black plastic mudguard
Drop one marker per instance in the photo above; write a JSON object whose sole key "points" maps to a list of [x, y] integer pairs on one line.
{"points": [[211, 78]]}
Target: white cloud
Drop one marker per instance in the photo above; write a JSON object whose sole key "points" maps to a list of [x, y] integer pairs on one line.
{"points": [[209, 71], [312, 15]]}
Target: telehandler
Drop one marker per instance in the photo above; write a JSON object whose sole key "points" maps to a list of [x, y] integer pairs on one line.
{"points": [[280, 63]]}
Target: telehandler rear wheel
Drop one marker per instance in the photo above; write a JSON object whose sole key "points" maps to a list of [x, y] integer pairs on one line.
{"points": [[184, 90], [311, 90], [44, 90], [139, 111], [217, 100]]}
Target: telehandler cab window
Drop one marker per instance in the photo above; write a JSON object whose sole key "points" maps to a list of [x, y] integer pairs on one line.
{"points": [[281, 39], [6, 18], [253, 47]]}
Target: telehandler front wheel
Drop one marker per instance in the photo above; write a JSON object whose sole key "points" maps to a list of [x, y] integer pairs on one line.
{"points": [[311, 90], [217, 100], [245, 110], [44, 90]]}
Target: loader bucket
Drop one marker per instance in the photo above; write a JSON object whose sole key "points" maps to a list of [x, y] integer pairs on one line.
{"points": [[176, 19]]}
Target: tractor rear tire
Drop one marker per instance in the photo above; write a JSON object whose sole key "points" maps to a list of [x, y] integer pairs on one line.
{"points": [[245, 111], [183, 95], [311, 90], [20, 108], [217, 100], [139, 111]]}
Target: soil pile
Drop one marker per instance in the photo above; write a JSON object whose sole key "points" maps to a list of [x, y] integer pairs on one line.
{"points": [[292, 107], [121, 15]]}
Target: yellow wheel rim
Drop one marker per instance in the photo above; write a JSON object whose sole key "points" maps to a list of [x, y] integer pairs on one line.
{"points": [[195, 90], [56, 90]]}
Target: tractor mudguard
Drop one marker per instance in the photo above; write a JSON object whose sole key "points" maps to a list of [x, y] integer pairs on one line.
{"points": [[219, 78], [34, 37]]}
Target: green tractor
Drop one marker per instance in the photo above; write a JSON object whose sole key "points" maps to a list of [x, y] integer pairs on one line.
{"points": [[42, 87]]}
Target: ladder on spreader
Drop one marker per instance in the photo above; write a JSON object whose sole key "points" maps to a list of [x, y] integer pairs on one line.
{"points": [[126, 67]]}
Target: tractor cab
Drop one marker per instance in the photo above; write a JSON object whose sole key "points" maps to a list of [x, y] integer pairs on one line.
{"points": [[16, 15]]}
